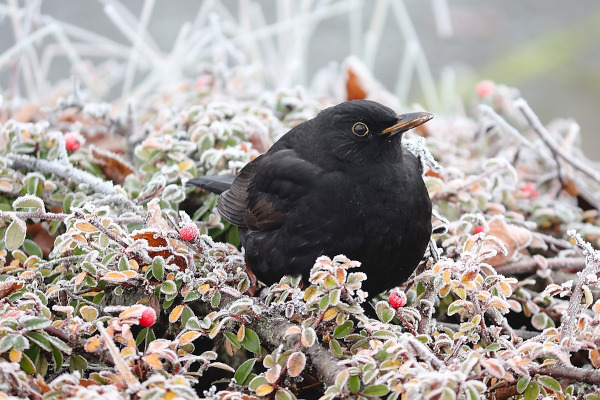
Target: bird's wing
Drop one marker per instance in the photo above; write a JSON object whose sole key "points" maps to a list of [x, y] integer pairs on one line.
{"points": [[267, 189]]}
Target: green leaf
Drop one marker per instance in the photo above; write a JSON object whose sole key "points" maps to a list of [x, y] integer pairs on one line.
{"points": [[455, 307], [32, 248], [140, 336], [6, 343], [335, 348], [493, 347], [186, 314], [41, 365], [20, 343], [33, 352], [191, 296], [57, 358], [39, 339], [284, 394], [376, 391], [354, 383], [28, 202], [256, 382], [532, 391], [54, 341], [324, 303], [549, 383], [37, 323], [77, 363], [473, 392], [384, 312], [251, 341], [194, 325], [168, 287], [233, 339], [123, 264], [522, 383], [343, 330], [26, 364], [15, 234], [243, 372], [216, 299], [158, 268]]}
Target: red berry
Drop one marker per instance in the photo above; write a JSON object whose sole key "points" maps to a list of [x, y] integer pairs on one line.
{"points": [[148, 317], [72, 141], [397, 299], [189, 232], [485, 88], [479, 229]]}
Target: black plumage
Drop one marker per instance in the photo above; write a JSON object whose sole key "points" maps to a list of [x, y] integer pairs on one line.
{"points": [[340, 183]]}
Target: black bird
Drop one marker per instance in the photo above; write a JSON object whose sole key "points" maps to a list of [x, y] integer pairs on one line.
{"points": [[340, 183]]}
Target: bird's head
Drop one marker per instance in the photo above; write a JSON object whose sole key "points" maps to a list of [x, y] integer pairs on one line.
{"points": [[365, 131]]}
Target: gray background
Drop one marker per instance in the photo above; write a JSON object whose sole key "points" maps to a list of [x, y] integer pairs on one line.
{"points": [[549, 49]]}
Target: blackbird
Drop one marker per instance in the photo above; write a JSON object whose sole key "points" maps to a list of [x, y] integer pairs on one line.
{"points": [[340, 183]]}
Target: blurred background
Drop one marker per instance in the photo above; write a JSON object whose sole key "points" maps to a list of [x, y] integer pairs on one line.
{"points": [[432, 52]]}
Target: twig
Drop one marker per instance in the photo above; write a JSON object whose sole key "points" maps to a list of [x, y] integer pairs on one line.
{"points": [[546, 137], [589, 376], [592, 261], [426, 307], [40, 214], [120, 364], [67, 171], [530, 265], [489, 111], [519, 332]]}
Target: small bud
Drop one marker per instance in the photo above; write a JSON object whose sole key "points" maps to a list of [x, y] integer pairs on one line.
{"points": [[189, 232], [148, 317], [397, 299]]}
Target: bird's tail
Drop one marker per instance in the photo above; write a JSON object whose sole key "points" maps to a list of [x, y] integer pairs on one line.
{"points": [[215, 183]]}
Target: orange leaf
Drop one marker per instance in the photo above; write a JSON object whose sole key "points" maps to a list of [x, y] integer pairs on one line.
{"points": [[354, 91], [92, 344], [115, 276], [264, 390], [176, 313], [189, 337], [153, 361], [85, 227], [595, 358], [15, 355]]}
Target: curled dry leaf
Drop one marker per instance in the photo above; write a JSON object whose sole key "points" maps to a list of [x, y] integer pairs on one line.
{"points": [[113, 166], [514, 237]]}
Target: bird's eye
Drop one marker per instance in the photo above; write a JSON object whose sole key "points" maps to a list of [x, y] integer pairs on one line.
{"points": [[360, 129]]}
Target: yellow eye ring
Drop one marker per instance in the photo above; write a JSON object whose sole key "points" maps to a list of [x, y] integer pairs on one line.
{"points": [[360, 129]]}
